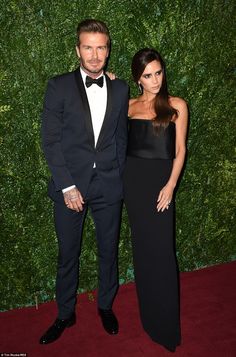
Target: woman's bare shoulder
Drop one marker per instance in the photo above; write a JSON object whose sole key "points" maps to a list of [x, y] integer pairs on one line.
{"points": [[132, 106], [133, 101], [178, 103]]}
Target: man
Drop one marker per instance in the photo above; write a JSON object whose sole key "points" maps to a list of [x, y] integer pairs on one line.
{"points": [[84, 135]]}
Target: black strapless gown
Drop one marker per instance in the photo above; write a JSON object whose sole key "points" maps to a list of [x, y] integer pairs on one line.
{"points": [[148, 168]]}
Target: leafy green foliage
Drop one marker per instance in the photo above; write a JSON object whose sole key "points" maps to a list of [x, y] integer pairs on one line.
{"points": [[37, 42]]}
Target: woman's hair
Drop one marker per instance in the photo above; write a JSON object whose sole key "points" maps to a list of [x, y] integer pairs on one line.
{"points": [[164, 111]]}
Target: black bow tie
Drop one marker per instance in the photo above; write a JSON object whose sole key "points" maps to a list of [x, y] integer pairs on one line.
{"points": [[89, 81]]}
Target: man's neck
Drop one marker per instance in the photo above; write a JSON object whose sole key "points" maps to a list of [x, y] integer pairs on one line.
{"points": [[90, 74]]}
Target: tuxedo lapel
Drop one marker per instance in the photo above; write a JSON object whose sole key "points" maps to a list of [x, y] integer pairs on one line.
{"points": [[108, 111], [84, 100]]}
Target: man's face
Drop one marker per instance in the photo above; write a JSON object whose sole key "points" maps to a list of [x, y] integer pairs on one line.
{"points": [[93, 52]]}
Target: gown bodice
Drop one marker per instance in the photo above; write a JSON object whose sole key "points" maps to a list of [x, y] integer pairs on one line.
{"points": [[145, 143]]}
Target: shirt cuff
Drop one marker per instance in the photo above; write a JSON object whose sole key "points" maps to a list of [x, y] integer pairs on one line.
{"points": [[68, 188]]}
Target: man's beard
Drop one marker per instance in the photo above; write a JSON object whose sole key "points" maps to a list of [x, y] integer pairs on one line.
{"points": [[95, 70]]}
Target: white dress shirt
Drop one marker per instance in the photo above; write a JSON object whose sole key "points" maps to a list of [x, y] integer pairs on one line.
{"points": [[97, 98]]}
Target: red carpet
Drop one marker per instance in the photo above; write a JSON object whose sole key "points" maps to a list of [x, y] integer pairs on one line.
{"points": [[208, 306]]}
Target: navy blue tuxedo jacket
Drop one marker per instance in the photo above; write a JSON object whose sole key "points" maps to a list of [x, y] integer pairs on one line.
{"points": [[68, 139]]}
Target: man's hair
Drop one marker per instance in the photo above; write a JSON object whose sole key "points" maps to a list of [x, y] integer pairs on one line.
{"points": [[91, 25]]}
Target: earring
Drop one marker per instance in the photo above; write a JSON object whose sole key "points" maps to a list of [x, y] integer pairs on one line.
{"points": [[140, 88]]}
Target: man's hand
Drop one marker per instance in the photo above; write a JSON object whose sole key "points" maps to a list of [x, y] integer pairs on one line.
{"points": [[74, 200], [111, 75]]}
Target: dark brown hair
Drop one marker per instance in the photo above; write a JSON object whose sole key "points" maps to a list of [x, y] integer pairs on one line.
{"points": [[91, 25], [164, 111]]}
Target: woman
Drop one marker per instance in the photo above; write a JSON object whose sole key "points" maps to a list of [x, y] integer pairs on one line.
{"points": [[156, 152]]}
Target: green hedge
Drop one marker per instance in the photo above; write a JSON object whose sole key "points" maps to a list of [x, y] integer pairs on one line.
{"points": [[37, 42]]}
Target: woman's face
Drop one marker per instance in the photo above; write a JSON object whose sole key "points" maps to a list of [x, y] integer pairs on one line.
{"points": [[151, 79]]}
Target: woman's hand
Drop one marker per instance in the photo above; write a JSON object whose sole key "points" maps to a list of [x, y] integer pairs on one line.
{"points": [[165, 197]]}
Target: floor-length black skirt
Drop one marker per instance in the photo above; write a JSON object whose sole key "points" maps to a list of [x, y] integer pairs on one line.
{"points": [[155, 266]]}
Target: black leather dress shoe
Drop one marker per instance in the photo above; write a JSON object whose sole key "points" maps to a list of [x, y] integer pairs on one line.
{"points": [[109, 321], [55, 331]]}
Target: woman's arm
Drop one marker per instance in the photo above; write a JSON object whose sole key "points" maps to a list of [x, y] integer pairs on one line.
{"points": [[166, 194]]}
